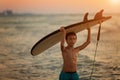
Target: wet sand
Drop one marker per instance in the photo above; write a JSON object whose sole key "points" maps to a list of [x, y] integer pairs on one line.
{"points": [[16, 62]]}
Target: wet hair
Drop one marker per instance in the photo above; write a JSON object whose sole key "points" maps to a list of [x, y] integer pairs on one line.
{"points": [[70, 33]]}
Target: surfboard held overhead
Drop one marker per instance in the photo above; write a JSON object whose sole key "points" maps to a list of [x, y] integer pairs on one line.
{"points": [[54, 37]]}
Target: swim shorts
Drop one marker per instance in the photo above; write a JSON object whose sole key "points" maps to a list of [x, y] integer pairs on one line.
{"points": [[69, 76]]}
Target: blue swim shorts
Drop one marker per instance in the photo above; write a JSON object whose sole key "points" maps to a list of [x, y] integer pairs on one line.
{"points": [[69, 76]]}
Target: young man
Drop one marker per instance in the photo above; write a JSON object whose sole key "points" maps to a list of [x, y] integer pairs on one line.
{"points": [[70, 54]]}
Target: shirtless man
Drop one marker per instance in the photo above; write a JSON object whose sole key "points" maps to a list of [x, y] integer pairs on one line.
{"points": [[70, 54]]}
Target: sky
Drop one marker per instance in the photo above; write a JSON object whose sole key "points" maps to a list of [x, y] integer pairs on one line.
{"points": [[60, 6]]}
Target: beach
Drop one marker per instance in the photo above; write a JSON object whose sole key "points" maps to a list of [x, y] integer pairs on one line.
{"points": [[18, 34]]}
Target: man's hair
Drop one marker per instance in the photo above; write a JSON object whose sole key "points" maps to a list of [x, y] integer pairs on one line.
{"points": [[70, 33]]}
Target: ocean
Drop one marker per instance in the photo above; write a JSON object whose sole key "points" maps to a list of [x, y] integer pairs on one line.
{"points": [[18, 33]]}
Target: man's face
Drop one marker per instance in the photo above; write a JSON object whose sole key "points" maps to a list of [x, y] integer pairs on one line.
{"points": [[71, 40]]}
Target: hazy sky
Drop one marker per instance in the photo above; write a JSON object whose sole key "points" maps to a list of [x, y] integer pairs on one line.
{"points": [[60, 6]]}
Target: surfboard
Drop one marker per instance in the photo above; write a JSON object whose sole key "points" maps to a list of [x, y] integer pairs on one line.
{"points": [[54, 37]]}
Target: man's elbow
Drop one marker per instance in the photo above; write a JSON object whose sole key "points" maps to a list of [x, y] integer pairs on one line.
{"points": [[88, 42]]}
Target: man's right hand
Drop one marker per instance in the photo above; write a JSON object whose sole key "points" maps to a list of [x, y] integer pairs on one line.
{"points": [[62, 29]]}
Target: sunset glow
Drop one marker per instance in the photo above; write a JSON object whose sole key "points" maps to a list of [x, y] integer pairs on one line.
{"points": [[60, 6], [115, 2]]}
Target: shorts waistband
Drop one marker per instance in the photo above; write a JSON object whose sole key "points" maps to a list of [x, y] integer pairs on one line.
{"points": [[69, 72]]}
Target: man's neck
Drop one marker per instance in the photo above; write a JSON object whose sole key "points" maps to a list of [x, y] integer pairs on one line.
{"points": [[70, 47]]}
